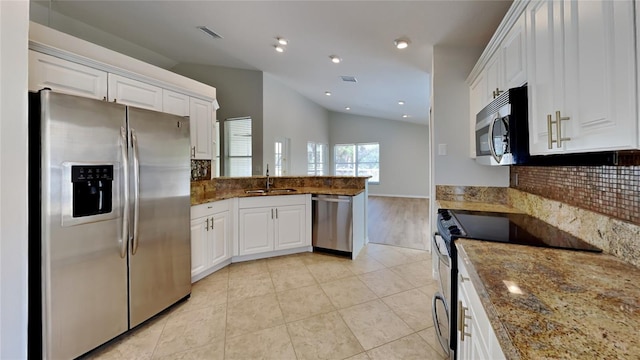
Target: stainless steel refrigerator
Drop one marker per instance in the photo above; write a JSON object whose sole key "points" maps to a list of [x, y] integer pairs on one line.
{"points": [[109, 220]]}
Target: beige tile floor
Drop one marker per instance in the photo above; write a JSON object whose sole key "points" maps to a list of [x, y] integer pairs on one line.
{"points": [[303, 306]]}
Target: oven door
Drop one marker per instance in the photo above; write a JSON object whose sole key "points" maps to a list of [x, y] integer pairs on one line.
{"points": [[440, 302], [492, 141]]}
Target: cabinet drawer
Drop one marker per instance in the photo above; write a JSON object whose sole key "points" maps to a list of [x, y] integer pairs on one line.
{"points": [[209, 208], [281, 200]]}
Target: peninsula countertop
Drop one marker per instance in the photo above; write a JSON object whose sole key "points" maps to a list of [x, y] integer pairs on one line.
{"points": [[226, 188], [573, 304]]}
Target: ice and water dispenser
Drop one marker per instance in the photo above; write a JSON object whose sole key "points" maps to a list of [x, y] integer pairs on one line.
{"points": [[92, 189]]}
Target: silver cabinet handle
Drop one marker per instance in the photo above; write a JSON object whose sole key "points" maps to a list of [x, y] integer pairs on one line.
{"points": [[124, 236], [559, 120], [136, 191], [212, 223], [276, 213], [207, 226], [550, 140], [193, 151], [462, 324], [271, 213], [463, 278]]}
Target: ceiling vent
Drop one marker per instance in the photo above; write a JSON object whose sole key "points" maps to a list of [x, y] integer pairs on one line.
{"points": [[349, 78], [209, 32]]}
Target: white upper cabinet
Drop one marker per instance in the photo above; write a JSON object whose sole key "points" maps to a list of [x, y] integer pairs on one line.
{"points": [[493, 73], [64, 76], [135, 93], [175, 103], [582, 76], [514, 59], [201, 126]]}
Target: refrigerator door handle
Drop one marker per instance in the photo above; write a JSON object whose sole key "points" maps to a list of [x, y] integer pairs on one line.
{"points": [[124, 237], [136, 191]]}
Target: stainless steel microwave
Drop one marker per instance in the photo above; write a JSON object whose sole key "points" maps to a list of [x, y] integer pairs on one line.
{"points": [[502, 130]]}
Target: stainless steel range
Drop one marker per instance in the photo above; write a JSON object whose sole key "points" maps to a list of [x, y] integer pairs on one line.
{"points": [[519, 229]]}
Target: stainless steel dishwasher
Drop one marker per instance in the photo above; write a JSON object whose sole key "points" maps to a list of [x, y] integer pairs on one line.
{"points": [[332, 223]]}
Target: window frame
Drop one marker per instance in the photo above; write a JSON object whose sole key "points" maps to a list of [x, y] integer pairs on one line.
{"points": [[356, 161], [319, 168]]}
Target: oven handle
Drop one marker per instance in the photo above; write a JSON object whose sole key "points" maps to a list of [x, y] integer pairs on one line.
{"points": [[443, 342], [441, 256]]}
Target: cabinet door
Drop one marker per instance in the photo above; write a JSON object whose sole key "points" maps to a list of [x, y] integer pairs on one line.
{"points": [[290, 226], [201, 125], [199, 235], [601, 76], [175, 103], [65, 76], [220, 242], [514, 69], [135, 93], [494, 76], [255, 230], [478, 99], [544, 24]]}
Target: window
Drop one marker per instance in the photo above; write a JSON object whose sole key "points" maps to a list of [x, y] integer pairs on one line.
{"points": [[238, 146], [316, 158], [358, 160], [281, 152]]}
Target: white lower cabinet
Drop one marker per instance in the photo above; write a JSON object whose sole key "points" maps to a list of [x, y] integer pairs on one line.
{"points": [[210, 237], [476, 338], [273, 223]]}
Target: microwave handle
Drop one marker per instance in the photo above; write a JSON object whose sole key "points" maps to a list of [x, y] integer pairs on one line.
{"points": [[492, 148]]}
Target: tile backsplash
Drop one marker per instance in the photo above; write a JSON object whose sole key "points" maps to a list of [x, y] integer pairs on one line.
{"points": [[200, 170], [610, 190]]}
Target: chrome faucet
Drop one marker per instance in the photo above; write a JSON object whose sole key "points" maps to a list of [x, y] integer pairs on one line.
{"points": [[269, 181]]}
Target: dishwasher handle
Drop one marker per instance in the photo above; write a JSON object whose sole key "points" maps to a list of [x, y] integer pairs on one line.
{"points": [[315, 198]]}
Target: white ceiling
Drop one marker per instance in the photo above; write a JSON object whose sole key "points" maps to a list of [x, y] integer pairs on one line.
{"points": [[360, 32]]}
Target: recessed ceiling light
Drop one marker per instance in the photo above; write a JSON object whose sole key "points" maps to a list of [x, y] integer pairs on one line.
{"points": [[400, 102], [405, 116], [347, 108], [401, 43], [279, 48], [328, 93], [335, 59], [282, 41]]}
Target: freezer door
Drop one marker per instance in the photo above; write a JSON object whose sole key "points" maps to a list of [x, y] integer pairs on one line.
{"points": [[160, 241], [84, 272]]}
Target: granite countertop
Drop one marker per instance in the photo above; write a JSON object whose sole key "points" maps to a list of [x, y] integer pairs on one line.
{"points": [[299, 191], [476, 206], [572, 304]]}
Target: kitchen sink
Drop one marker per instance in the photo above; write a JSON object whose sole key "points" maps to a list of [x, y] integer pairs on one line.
{"points": [[270, 191], [281, 191], [258, 191]]}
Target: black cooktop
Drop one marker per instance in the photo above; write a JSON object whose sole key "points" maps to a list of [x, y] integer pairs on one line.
{"points": [[507, 228]]}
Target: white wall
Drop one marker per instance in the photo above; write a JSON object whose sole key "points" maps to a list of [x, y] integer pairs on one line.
{"points": [[239, 93], [404, 151], [14, 28], [287, 114], [451, 66], [40, 13]]}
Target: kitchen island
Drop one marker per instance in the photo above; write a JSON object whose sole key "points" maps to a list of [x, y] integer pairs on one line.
{"points": [[550, 303]]}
